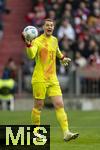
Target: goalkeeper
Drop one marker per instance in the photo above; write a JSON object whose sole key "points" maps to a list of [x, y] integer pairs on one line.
{"points": [[44, 49]]}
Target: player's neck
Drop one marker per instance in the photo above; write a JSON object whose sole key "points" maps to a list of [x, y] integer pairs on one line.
{"points": [[47, 36]]}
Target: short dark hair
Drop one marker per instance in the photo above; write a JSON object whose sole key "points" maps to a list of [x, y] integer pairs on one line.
{"points": [[48, 19]]}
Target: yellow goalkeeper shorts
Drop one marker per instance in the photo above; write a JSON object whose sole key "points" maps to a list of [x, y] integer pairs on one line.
{"points": [[41, 90]]}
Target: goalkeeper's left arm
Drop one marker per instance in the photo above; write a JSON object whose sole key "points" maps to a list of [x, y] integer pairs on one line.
{"points": [[64, 60]]}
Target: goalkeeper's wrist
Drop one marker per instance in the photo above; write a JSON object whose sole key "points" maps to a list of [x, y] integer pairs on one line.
{"points": [[62, 57], [28, 45]]}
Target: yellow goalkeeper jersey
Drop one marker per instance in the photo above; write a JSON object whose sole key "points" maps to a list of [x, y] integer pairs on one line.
{"points": [[44, 50]]}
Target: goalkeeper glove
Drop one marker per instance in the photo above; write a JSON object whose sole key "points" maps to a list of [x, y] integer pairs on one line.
{"points": [[28, 43], [65, 61]]}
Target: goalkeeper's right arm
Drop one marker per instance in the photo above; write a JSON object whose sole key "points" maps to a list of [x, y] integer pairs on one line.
{"points": [[31, 48]]}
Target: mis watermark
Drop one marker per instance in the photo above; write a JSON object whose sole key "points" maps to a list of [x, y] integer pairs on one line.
{"points": [[25, 137]]}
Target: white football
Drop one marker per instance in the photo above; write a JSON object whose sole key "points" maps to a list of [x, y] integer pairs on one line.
{"points": [[30, 33]]}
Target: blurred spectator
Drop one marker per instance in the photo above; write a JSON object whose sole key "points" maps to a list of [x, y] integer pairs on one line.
{"points": [[68, 15], [75, 4], [97, 25], [2, 7], [64, 45], [51, 14], [68, 7], [80, 61], [10, 70], [94, 59], [37, 14], [94, 24], [3, 10], [84, 9], [57, 6], [96, 4], [67, 30], [86, 48]]}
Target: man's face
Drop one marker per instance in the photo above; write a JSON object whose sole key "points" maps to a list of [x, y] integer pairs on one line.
{"points": [[48, 28]]}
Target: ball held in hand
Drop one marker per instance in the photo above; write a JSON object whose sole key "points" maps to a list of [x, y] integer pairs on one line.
{"points": [[29, 33]]}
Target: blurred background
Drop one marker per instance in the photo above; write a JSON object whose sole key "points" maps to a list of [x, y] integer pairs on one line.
{"points": [[77, 27]]}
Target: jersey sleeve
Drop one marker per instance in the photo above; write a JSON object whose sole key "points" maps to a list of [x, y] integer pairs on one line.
{"points": [[32, 50], [59, 53]]}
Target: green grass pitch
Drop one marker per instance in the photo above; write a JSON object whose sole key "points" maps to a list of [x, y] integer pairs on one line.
{"points": [[87, 123]]}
